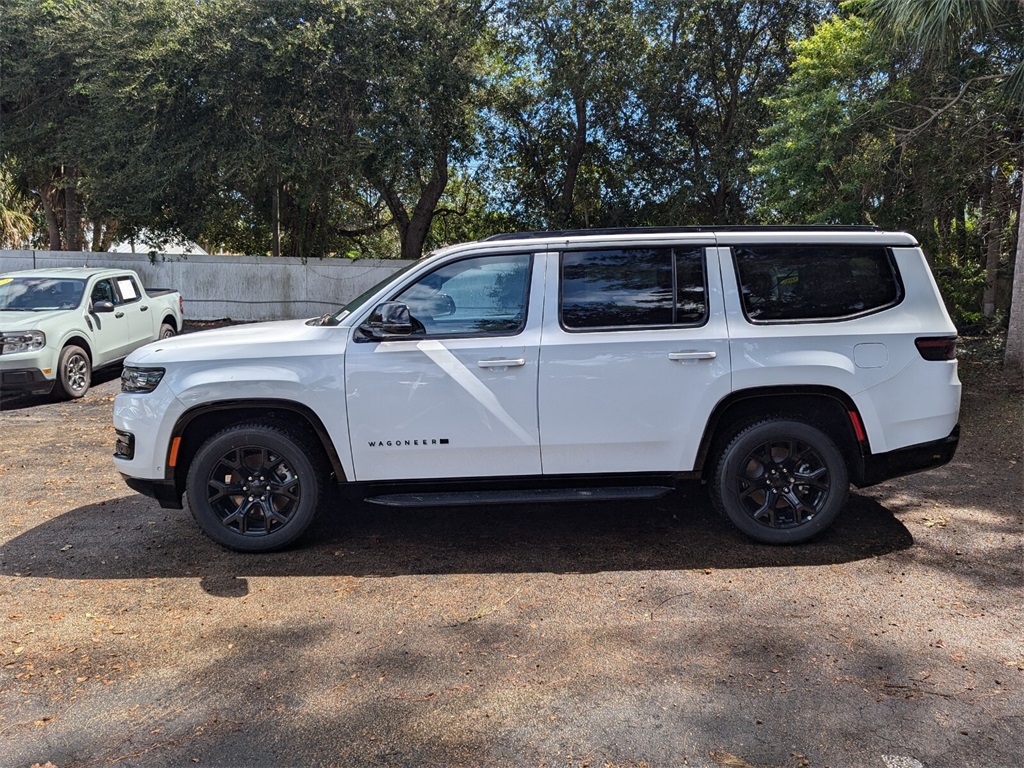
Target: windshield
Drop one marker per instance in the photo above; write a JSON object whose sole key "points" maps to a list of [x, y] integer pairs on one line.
{"points": [[38, 294], [333, 318]]}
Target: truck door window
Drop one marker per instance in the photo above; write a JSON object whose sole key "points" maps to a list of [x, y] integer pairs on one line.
{"points": [[129, 291], [479, 296], [104, 291]]}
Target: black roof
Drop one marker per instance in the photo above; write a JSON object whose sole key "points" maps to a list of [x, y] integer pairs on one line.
{"points": [[555, 233]]}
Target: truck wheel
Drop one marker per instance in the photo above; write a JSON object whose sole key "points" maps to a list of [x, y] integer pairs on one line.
{"points": [[255, 487], [74, 372], [780, 481], [166, 331]]}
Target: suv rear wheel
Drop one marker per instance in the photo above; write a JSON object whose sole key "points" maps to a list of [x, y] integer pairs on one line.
{"points": [[255, 487], [780, 481]]}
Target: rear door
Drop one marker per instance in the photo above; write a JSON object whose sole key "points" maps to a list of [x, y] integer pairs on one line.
{"points": [[635, 355], [111, 331], [136, 307]]}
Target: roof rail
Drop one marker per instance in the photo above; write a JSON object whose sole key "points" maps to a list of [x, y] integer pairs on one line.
{"points": [[681, 230]]}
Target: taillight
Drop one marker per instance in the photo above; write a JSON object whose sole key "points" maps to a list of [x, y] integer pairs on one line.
{"points": [[941, 348]]}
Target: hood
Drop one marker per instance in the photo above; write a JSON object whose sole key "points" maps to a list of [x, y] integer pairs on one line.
{"points": [[281, 338], [15, 320]]}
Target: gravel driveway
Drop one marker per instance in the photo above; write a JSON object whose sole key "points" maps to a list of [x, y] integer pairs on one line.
{"points": [[643, 634]]}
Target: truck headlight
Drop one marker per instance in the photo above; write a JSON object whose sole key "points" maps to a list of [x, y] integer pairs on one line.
{"points": [[21, 341], [140, 379]]}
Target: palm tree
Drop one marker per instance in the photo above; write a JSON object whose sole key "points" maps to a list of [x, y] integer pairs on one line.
{"points": [[935, 28], [16, 224]]}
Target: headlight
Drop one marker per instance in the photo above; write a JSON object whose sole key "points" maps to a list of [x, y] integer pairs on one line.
{"points": [[140, 379], [21, 341]]}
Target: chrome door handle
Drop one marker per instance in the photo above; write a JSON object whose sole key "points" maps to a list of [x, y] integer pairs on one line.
{"points": [[119, 314], [144, 309], [502, 363], [710, 355]]}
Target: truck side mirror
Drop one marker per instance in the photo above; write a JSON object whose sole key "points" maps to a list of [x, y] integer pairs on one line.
{"points": [[103, 306], [390, 320]]}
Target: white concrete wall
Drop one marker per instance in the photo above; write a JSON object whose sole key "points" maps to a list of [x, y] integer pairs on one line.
{"points": [[236, 287]]}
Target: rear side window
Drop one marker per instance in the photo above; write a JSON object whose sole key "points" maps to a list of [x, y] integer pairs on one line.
{"points": [[633, 288], [781, 283]]}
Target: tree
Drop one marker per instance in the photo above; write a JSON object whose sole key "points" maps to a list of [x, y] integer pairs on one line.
{"points": [[42, 112], [419, 68], [702, 100], [562, 78], [947, 31]]}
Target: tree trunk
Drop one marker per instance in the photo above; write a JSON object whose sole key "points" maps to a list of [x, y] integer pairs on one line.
{"points": [[1014, 359], [275, 216], [572, 169], [993, 238], [413, 230], [72, 225], [46, 196]]}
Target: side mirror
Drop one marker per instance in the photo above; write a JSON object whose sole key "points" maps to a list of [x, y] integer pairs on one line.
{"points": [[103, 306], [390, 320]]}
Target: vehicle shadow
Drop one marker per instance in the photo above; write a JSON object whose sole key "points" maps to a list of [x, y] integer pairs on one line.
{"points": [[16, 401], [131, 538]]}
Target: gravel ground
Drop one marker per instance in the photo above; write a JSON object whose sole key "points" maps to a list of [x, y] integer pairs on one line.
{"points": [[573, 635]]}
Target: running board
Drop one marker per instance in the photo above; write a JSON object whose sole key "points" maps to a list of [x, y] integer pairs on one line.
{"points": [[525, 496]]}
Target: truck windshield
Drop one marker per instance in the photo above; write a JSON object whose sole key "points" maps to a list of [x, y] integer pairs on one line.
{"points": [[333, 318], [38, 294]]}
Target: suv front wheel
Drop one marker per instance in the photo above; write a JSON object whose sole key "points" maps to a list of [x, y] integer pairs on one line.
{"points": [[255, 487], [780, 481]]}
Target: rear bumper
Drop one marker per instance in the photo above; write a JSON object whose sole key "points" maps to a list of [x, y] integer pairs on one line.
{"points": [[906, 461]]}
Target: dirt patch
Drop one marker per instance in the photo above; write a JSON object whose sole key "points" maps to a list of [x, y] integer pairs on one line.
{"points": [[603, 634]]}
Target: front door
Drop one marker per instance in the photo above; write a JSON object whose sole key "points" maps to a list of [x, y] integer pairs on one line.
{"points": [[459, 397]]}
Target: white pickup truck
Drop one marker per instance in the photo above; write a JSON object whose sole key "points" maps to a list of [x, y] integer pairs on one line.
{"points": [[58, 325], [777, 365]]}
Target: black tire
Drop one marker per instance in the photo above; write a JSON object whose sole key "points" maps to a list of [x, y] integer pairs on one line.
{"points": [[74, 373], [256, 487], [166, 331], [780, 481]]}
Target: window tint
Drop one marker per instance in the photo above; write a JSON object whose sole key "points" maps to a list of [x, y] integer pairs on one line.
{"points": [[104, 291], [476, 296], [785, 282], [633, 287]]}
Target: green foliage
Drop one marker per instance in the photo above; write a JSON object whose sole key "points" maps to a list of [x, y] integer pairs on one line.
{"points": [[823, 156]]}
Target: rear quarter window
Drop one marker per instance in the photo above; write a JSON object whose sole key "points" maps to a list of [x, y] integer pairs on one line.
{"points": [[793, 283]]}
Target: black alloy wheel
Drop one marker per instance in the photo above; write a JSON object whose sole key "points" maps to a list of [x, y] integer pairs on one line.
{"points": [[781, 481], [255, 487]]}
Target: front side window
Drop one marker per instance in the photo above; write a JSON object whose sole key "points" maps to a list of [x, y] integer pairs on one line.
{"points": [[633, 288], [103, 290], [781, 283], [478, 296]]}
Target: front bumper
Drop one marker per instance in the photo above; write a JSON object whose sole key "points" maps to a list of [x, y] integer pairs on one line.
{"points": [[165, 493], [906, 461], [25, 380]]}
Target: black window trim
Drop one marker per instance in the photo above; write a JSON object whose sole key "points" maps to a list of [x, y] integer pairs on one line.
{"points": [[890, 260], [477, 255], [673, 247], [116, 281]]}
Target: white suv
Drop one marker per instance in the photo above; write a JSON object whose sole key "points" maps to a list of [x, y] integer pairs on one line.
{"points": [[778, 365]]}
